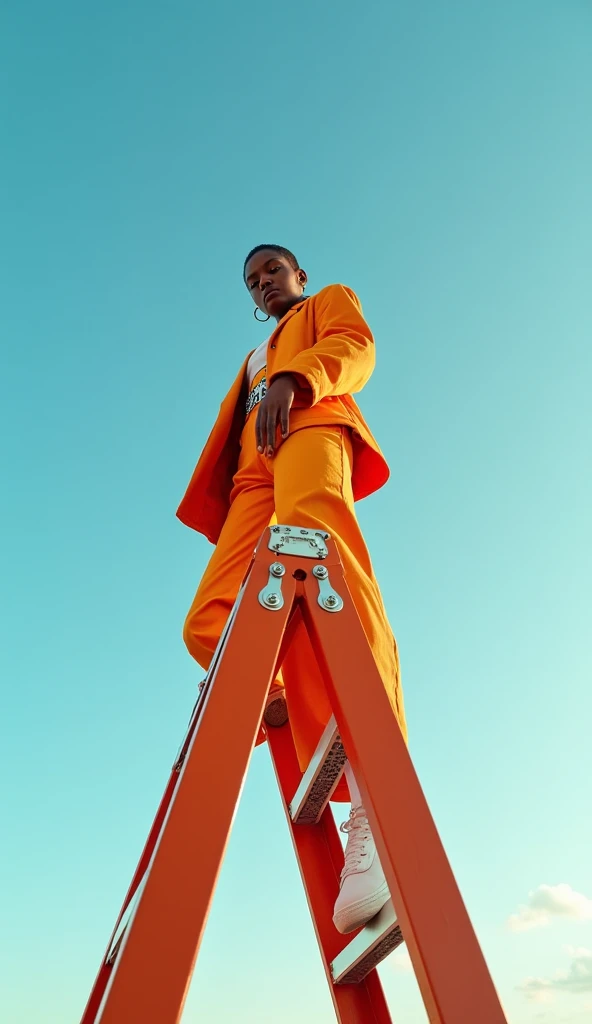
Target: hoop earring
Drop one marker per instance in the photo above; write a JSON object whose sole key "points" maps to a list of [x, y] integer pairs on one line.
{"points": [[258, 318]]}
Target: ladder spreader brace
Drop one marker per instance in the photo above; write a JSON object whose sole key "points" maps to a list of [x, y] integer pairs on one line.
{"points": [[296, 576]]}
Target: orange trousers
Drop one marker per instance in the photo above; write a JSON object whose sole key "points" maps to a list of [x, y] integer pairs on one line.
{"points": [[306, 483]]}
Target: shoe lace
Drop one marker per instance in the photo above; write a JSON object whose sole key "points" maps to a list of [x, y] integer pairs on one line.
{"points": [[358, 832]]}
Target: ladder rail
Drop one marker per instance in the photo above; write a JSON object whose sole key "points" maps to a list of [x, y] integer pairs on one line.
{"points": [[102, 978], [151, 972], [428, 903], [98, 990], [319, 855]]}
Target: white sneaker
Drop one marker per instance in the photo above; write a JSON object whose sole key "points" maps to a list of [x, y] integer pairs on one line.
{"points": [[363, 889]]}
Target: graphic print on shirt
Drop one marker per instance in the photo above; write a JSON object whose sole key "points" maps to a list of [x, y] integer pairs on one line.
{"points": [[258, 390], [257, 376]]}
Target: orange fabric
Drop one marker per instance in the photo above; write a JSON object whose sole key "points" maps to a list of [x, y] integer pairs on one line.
{"points": [[326, 342], [307, 483]]}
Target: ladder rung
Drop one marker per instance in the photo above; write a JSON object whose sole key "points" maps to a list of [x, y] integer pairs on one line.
{"points": [[368, 949], [320, 778]]}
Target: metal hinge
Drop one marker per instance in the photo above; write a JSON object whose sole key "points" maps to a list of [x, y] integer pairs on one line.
{"points": [[295, 540]]}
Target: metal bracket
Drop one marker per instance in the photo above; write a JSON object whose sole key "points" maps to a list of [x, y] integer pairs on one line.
{"points": [[126, 917], [182, 751], [329, 599], [271, 596], [295, 540]]}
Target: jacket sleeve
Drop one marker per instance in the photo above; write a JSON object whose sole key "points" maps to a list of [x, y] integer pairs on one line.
{"points": [[342, 358]]}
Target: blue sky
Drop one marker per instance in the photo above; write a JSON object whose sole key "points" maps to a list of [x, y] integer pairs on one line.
{"points": [[437, 158]]}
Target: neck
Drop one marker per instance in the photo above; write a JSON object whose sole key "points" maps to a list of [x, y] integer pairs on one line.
{"points": [[293, 302]]}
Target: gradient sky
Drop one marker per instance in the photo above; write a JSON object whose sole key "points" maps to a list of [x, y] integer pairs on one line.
{"points": [[437, 158]]}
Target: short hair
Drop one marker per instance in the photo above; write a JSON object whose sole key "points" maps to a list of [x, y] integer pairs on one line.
{"points": [[281, 251]]}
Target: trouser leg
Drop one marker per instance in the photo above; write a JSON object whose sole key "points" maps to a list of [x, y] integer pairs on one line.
{"points": [[250, 511], [312, 488]]}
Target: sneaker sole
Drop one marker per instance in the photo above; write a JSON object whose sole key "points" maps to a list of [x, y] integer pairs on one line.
{"points": [[356, 915]]}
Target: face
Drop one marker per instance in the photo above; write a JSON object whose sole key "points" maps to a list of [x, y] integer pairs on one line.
{"points": [[273, 282]]}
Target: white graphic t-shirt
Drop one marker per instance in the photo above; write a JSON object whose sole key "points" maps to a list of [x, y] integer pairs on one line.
{"points": [[257, 376]]}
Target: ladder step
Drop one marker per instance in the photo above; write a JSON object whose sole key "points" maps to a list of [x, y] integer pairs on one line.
{"points": [[368, 949], [320, 778]]}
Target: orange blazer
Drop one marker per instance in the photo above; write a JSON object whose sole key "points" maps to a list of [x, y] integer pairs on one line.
{"points": [[325, 341]]}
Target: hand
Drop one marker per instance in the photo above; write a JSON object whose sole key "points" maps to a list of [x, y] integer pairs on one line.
{"points": [[275, 406]]}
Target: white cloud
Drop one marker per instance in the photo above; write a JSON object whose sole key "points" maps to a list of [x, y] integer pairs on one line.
{"points": [[576, 980], [550, 901]]}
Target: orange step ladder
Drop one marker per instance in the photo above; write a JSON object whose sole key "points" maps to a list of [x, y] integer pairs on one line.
{"points": [[295, 576]]}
